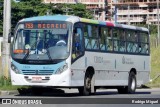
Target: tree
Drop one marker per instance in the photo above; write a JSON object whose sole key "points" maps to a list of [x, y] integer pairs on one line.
{"points": [[152, 28], [30, 8]]}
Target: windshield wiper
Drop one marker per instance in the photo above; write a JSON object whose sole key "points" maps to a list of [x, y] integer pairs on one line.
{"points": [[28, 52], [48, 52]]}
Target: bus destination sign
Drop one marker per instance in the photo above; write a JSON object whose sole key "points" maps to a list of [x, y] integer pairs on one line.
{"points": [[31, 25]]}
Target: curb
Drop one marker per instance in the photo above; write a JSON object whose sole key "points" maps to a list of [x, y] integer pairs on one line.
{"points": [[12, 92]]}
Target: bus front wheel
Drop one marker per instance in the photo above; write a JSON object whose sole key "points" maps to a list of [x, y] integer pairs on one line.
{"points": [[86, 89]]}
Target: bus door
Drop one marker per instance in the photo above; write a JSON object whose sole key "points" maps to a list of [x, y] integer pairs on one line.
{"points": [[77, 44]]}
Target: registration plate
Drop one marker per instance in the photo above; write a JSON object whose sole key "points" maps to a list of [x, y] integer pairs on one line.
{"points": [[36, 78]]}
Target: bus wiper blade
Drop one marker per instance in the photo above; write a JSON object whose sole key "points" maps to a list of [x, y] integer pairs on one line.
{"points": [[28, 52], [48, 52]]}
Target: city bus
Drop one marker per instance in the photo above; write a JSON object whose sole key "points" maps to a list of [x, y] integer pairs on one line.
{"points": [[62, 51]]}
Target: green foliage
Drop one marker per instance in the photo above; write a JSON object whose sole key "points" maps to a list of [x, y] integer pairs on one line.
{"points": [[155, 69], [31, 8], [5, 84], [152, 28], [4, 81]]}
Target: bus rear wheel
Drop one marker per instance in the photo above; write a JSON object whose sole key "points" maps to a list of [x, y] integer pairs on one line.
{"points": [[132, 84]]}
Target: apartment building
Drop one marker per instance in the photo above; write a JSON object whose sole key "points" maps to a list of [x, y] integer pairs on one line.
{"points": [[97, 6], [135, 11]]}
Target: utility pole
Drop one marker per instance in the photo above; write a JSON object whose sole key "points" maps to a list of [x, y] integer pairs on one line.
{"points": [[158, 21], [6, 31], [128, 15], [115, 14], [66, 8]]}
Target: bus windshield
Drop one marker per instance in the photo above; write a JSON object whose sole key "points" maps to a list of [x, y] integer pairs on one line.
{"points": [[41, 42]]}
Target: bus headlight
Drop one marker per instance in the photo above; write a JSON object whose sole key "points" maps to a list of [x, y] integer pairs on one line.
{"points": [[62, 68], [14, 68]]}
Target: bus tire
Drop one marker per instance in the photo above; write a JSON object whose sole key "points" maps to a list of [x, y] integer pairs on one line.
{"points": [[86, 89], [87, 85], [132, 83], [131, 88]]}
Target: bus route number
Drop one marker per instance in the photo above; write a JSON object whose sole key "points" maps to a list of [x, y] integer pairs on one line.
{"points": [[29, 25]]}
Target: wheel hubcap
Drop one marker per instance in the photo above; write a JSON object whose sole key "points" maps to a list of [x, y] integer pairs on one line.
{"points": [[88, 83], [133, 85]]}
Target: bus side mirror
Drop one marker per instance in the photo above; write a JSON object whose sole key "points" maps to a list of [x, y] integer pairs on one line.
{"points": [[9, 37]]}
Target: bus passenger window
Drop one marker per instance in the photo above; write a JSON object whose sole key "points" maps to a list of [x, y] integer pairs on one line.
{"points": [[143, 41], [91, 39], [116, 36], [102, 40], [122, 42], [109, 40], [102, 34]]}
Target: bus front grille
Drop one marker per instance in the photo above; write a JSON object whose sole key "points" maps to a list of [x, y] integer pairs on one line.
{"points": [[37, 72]]}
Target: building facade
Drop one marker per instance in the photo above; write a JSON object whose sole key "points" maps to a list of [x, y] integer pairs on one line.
{"points": [[97, 6], [135, 11]]}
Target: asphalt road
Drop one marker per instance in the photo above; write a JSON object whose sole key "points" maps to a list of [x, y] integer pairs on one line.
{"points": [[102, 98]]}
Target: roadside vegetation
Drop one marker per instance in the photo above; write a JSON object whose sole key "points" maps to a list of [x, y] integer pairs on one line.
{"points": [[155, 67]]}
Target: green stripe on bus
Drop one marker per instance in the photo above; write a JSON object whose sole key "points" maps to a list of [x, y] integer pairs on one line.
{"points": [[89, 21]]}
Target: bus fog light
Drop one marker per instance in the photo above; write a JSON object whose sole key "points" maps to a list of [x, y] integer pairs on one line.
{"points": [[62, 68], [14, 68]]}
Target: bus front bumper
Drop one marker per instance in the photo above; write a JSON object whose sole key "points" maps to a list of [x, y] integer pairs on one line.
{"points": [[62, 79]]}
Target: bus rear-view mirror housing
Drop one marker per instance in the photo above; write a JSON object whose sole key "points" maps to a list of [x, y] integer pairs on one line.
{"points": [[10, 35]]}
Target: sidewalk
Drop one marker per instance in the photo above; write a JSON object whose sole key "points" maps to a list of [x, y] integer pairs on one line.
{"points": [[10, 92]]}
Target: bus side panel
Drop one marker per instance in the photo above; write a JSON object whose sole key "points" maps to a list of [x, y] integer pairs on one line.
{"points": [[142, 78], [111, 69], [78, 72], [107, 71]]}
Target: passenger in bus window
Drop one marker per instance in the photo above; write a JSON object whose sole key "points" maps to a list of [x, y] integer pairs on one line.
{"points": [[101, 40], [73, 54]]}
